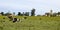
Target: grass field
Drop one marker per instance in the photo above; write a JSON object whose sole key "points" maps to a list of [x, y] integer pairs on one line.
{"points": [[31, 23]]}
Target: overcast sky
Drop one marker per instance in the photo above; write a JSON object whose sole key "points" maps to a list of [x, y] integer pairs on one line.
{"points": [[41, 6]]}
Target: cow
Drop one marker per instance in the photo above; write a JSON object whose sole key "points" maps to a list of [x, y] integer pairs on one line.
{"points": [[10, 17], [13, 19], [16, 20]]}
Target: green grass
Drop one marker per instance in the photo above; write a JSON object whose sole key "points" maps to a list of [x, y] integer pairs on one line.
{"points": [[31, 23]]}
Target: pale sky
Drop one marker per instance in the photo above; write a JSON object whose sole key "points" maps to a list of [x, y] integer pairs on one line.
{"points": [[41, 6]]}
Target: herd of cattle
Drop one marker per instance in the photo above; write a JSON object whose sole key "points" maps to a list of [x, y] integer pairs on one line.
{"points": [[15, 19]]}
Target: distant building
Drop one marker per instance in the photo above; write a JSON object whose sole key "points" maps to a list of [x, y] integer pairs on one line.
{"points": [[58, 13], [49, 13], [52, 14]]}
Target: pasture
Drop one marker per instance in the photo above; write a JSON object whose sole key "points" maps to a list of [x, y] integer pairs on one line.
{"points": [[31, 23]]}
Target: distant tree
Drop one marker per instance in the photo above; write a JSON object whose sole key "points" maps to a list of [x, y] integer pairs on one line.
{"points": [[19, 13], [33, 12], [58, 13], [13, 13], [47, 14], [38, 15], [2, 13], [6, 14], [26, 13], [23, 14]]}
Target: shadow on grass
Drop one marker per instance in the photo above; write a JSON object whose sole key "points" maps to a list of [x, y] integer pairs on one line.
{"points": [[1, 28]]}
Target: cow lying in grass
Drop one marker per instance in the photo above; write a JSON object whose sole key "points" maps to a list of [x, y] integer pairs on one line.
{"points": [[10, 17], [13, 19], [16, 20]]}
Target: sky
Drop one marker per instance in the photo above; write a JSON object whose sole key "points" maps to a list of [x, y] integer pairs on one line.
{"points": [[41, 6]]}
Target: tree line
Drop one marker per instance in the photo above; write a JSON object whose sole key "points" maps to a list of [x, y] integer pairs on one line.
{"points": [[32, 13], [19, 13]]}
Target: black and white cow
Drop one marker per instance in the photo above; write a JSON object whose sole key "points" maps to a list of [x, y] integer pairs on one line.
{"points": [[16, 20], [13, 19]]}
